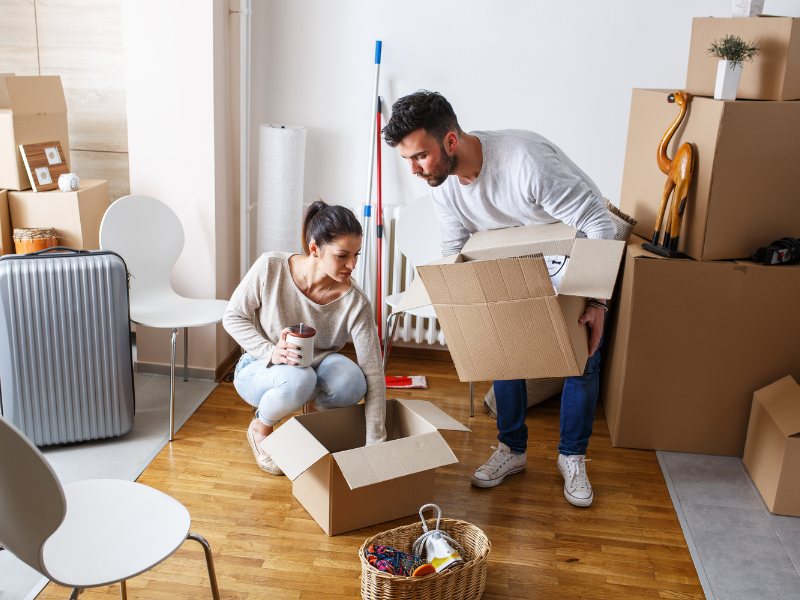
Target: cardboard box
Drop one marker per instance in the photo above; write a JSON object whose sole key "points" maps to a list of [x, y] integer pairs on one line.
{"points": [[497, 307], [32, 110], [772, 451], [6, 241], [774, 73], [687, 343], [345, 485], [744, 190], [76, 215]]}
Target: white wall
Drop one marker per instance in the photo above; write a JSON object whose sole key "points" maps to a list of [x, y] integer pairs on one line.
{"points": [[563, 69], [177, 139]]}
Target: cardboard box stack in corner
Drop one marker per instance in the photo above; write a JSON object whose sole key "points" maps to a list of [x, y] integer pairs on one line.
{"points": [[689, 341], [497, 307], [76, 216], [772, 453], [6, 241], [345, 485]]}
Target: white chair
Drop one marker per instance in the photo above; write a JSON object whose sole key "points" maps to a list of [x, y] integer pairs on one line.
{"points": [[420, 241], [86, 534], [149, 237]]}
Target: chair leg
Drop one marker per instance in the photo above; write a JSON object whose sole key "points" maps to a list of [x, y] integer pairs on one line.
{"points": [[123, 590], [391, 326], [75, 593], [471, 401], [172, 387], [212, 575], [186, 354]]}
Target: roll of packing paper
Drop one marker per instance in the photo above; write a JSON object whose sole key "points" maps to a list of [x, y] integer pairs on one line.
{"points": [[281, 159]]}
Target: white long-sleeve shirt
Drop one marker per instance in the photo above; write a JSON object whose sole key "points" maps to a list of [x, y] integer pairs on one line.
{"points": [[524, 180]]}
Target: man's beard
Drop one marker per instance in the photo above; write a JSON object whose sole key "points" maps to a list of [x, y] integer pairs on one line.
{"points": [[445, 167]]}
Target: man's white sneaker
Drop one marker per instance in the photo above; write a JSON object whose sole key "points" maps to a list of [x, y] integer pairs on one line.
{"points": [[502, 463], [577, 489]]}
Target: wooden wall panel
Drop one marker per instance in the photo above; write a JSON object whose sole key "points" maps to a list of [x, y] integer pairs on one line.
{"points": [[81, 40], [112, 166], [18, 53]]}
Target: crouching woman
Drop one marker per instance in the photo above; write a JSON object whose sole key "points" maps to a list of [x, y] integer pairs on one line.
{"points": [[315, 288]]}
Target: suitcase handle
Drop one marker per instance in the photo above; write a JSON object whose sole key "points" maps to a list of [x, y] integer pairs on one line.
{"points": [[58, 249]]}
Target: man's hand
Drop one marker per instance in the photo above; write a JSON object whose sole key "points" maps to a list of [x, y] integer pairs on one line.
{"points": [[594, 318]]}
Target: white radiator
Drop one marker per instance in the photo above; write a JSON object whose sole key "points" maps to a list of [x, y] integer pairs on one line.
{"points": [[397, 276]]}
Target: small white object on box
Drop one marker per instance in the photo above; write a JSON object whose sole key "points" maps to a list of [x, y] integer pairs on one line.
{"points": [[69, 182]]}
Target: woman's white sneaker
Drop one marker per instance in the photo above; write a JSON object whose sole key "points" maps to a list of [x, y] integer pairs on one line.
{"points": [[502, 463], [577, 489]]}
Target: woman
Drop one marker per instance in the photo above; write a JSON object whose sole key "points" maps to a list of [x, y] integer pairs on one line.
{"points": [[316, 289]]}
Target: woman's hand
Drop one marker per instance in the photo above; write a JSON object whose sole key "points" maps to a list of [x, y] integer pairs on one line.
{"points": [[285, 353]]}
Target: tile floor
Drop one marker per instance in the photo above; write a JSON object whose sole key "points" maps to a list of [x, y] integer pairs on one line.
{"points": [[741, 551]]}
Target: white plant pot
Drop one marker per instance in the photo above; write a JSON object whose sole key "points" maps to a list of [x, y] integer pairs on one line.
{"points": [[727, 80], [747, 8]]}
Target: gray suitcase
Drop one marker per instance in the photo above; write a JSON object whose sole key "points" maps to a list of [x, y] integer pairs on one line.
{"points": [[66, 368]]}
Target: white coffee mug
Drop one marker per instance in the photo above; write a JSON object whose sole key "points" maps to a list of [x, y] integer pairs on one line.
{"points": [[302, 337], [69, 182]]}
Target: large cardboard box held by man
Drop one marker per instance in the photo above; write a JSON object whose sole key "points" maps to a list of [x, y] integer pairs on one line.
{"points": [[32, 110], [772, 451], [774, 73], [76, 215], [745, 186], [688, 342], [345, 485], [497, 307]]}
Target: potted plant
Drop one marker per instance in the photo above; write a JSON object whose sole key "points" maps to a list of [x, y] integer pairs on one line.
{"points": [[733, 51]]}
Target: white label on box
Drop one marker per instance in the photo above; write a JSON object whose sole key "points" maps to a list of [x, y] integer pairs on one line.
{"points": [[43, 175]]}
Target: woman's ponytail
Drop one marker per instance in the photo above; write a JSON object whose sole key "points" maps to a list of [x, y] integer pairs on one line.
{"points": [[324, 224]]}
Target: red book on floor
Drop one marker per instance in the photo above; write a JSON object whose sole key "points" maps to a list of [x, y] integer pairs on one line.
{"points": [[412, 382]]}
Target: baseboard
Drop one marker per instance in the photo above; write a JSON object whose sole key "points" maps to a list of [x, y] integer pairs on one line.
{"points": [[228, 364], [159, 369], [442, 355]]}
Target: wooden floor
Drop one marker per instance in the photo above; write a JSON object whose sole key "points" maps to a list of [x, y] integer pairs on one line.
{"points": [[628, 544]]}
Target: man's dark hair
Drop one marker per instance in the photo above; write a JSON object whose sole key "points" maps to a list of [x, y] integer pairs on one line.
{"points": [[421, 110]]}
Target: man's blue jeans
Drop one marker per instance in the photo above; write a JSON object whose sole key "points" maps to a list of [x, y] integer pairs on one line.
{"points": [[578, 401]]}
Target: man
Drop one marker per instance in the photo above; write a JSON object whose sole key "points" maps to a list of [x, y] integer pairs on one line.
{"points": [[492, 180]]}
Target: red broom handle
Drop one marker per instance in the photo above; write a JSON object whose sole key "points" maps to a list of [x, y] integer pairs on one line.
{"points": [[379, 216]]}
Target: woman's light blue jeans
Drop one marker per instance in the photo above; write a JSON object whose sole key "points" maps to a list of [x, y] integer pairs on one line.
{"points": [[280, 390]]}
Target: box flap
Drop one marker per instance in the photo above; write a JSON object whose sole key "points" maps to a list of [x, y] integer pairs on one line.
{"points": [[432, 414], [782, 401], [381, 462], [293, 448], [36, 95], [4, 102], [592, 268], [416, 296], [549, 240]]}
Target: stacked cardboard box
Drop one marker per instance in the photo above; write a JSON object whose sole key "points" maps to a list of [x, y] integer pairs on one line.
{"points": [[34, 110], [690, 341]]}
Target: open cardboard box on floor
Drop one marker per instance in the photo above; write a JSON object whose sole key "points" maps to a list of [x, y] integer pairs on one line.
{"points": [[497, 307], [345, 485], [32, 110], [772, 451], [774, 73], [688, 342], [745, 187], [75, 215]]}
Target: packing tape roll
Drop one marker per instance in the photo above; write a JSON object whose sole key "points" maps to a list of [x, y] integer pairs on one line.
{"points": [[281, 166]]}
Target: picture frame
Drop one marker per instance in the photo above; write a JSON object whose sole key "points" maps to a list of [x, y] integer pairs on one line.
{"points": [[45, 162]]}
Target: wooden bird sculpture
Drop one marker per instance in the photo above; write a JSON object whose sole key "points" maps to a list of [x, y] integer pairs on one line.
{"points": [[679, 172]]}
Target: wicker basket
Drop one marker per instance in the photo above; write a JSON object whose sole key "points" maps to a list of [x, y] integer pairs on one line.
{"points": [[463, 581]]}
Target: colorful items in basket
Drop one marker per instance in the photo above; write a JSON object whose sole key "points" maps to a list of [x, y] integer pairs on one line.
{"points": [[440, 553], [395, 562]]}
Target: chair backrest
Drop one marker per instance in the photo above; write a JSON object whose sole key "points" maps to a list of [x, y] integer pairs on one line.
{"points": [[148, 235], [32, 502], [418, 235]]}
